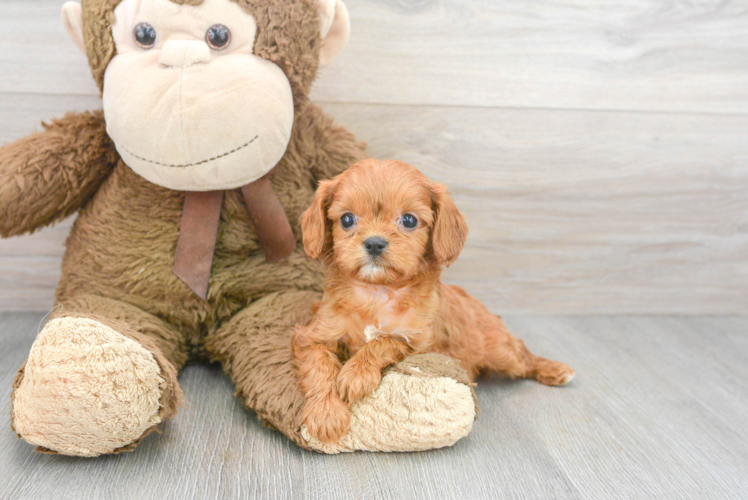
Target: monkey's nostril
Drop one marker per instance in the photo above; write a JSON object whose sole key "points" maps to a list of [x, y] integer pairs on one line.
{"points": [[375, 245]]}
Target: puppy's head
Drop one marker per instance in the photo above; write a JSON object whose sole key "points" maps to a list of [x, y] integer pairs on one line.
{"points": [[383, 222]]}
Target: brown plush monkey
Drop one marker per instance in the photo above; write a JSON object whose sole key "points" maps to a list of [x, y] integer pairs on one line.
{"points": [[206, 148]]}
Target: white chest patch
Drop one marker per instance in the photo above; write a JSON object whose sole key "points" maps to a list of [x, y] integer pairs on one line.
{"points": [[371, 332], [378, 294], [385, 300]]}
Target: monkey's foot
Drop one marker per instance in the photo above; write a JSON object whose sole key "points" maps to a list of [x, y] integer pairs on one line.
{"points": [[422, 403], [86, 390]]}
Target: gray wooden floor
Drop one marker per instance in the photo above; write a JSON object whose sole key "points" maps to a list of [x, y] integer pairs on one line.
{"points": [[659, 409]]}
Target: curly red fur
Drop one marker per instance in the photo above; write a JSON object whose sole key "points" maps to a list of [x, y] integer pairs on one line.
{"points": [[378, 309]]}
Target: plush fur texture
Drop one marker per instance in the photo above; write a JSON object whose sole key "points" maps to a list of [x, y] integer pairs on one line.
{"points": [[442, 414], [206, 119], [89, 379], [380, 306], [287, 35], [49, 175], [119, 297]]}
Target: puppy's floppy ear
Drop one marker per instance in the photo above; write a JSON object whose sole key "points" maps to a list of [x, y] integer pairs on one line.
{"points": [[314, 223], [450, 229]]}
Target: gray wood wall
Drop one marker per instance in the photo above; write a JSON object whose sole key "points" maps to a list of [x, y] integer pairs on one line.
{"points": [[600, 149]]}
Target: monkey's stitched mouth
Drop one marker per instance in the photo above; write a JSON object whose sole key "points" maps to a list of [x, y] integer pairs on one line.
{"points": [[196, 163]]}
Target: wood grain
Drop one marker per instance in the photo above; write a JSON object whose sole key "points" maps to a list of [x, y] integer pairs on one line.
{"points": [[635, 55], [635, 201], [570, 211], [659, 409], [595, 212]]}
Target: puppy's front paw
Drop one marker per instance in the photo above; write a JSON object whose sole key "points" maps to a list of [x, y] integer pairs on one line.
{"points": [[356, 381], [327, 419], [422, 403]]}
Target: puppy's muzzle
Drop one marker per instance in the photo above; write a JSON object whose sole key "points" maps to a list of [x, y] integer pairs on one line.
{"points": [[375, 245]]}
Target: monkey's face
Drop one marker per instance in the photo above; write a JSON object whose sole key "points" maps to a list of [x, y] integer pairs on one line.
{"points": [[187, 103], [194, 98]]}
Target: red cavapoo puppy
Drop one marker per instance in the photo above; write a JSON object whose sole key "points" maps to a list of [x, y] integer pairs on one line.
{"points": [[385, 232]]}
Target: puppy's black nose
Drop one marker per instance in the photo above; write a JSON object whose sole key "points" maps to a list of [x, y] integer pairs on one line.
{"points": [[375, 245]]}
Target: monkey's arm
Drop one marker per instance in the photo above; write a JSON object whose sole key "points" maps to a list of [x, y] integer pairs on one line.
{"points": [[49, 175], [335, 148]]}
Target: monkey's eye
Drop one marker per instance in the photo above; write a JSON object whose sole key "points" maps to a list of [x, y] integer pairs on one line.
{"points": [[218, 37], [409, 221], [348, 220], [145, 35]]}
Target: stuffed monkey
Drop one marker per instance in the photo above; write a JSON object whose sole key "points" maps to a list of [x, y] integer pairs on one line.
{"points": [[188, 187]]}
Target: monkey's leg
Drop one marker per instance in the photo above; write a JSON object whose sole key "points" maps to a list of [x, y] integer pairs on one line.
{"points": [[422, 403], [99, 378]]}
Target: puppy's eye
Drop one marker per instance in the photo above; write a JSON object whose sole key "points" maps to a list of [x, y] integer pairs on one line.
{"points": [[144, 35], [218, 37], [348, 220], [409, 221]]}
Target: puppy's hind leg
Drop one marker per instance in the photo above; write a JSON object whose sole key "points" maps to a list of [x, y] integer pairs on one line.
{"points": [[508, 355], [550, 372]]}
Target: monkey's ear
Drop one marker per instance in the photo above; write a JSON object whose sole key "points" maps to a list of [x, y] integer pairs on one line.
{"points": [[72, 18], [314, 224], [450, 229], [335, 28]]}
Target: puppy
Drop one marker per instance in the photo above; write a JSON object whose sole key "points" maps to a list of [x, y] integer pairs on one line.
{"points": [[385, 231]]}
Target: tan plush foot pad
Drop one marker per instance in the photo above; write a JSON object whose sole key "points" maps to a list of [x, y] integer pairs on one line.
{"points": [[86, 389], [422, 403]]}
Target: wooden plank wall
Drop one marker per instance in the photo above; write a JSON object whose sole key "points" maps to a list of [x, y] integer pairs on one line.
{"points": [[600, 149]]}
